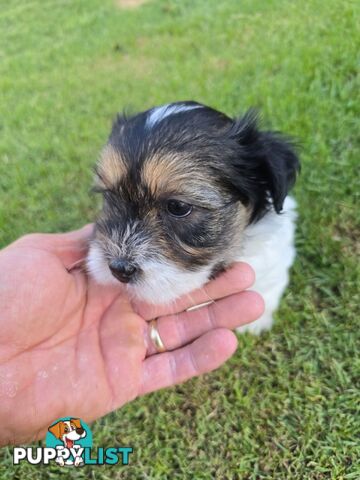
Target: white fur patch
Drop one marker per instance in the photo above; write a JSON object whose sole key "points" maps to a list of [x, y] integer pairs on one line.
{"points": [[163, 282], [268, 246], [159, 113], [97, 266]]}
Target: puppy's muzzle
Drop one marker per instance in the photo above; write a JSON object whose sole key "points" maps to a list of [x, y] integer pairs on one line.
{"points": [[123, 270]]}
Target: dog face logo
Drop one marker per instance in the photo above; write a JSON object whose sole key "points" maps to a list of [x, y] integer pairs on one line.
{"points": [[69, 434], [69, 443], [68, 431]]}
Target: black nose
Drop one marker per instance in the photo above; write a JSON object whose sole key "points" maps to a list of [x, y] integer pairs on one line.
{"points": [[123, 270], [79, 430]]}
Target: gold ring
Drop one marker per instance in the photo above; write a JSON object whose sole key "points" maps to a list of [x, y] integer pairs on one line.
{"points": [[155, 337]]}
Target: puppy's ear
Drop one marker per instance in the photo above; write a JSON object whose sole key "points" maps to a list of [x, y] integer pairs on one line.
{"points": [[266, 166], [76, 422], [56, 429]]}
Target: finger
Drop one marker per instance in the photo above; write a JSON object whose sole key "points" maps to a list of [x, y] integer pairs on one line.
{"points": [[239, 277], [70, 247], [123, 349], [203, 355], [230, 312]]}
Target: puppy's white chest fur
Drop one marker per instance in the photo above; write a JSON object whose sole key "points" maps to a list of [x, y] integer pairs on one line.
{"points": [[268, 246]]}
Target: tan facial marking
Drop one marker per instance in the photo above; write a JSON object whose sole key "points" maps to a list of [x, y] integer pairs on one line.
{"points": [[166, 173], [195, 252], [111, 167], [158, 171]]}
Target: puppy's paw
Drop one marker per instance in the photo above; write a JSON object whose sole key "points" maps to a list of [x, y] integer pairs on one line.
{"points": [[78, 461], [60, 461]]}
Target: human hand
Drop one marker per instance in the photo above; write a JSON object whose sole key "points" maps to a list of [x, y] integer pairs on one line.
{"points": [[69, 346]]}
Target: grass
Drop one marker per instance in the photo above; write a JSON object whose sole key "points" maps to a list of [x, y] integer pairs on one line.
{"points": [[287, 404]]}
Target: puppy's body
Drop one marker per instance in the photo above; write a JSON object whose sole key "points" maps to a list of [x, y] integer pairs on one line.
{"points": [[188, 191], [268, 246]]}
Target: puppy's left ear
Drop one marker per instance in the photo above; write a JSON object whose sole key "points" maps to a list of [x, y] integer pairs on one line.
{"points": [[267, 165], [56, 429]]}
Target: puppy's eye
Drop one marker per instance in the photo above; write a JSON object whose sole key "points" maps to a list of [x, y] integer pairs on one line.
{"points": [[178, 209]]}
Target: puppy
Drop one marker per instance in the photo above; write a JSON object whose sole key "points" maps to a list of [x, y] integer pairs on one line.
{"points": [[68, 431], [187, 191]]}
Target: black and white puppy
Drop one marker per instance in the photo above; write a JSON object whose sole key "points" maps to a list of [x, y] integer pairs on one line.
{"points": [[188, 191]]}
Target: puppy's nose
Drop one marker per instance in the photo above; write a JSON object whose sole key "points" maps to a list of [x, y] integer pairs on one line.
{"points": [[122, 269], [80, 430]]}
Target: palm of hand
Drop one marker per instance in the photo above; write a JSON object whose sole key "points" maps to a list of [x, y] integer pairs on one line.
{"points": [[69, 347], [63, 335]]}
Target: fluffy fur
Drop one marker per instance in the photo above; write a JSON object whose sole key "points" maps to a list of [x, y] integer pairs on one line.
{"points": [[187, 191], [268, 246]]}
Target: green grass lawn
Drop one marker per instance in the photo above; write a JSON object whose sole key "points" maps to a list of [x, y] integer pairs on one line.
{"points": [[286, 406]]}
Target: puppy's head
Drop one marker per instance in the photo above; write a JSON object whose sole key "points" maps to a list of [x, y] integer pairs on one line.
{"points": [[68, 431], [180, 183]]}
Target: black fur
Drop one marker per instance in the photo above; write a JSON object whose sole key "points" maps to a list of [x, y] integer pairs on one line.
{"points": [[266, 167]]}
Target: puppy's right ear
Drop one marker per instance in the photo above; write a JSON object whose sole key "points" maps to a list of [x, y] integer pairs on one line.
{"points": [[55, 429]]}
